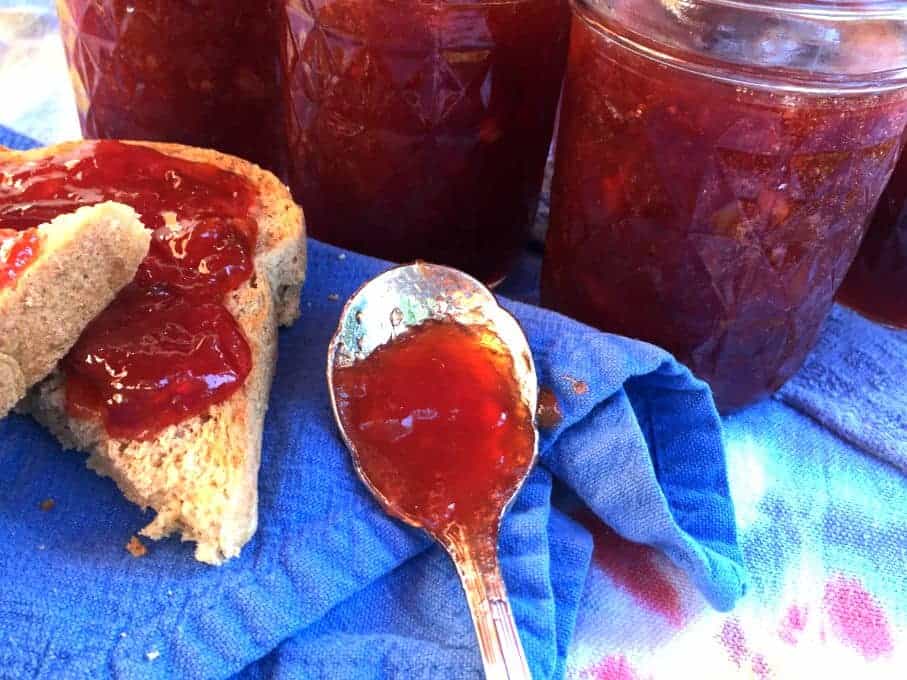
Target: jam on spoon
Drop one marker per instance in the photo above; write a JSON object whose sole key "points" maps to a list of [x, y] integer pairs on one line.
{"points": [[434, 390], [439, 426]]}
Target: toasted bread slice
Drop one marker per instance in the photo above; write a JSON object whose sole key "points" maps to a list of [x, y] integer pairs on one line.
{"points": [[201, 475], [84, 259]]}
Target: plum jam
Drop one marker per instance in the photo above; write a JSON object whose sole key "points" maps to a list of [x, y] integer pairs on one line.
{"points": [[18, 249], [419, 129], [167, 348], [706, 209], [876, 285], [204, 73], [438, 425]]}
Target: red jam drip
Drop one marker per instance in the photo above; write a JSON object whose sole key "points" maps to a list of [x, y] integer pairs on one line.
{"points": [[180, 355], [438, 425], [19, 251], [167, 348]]}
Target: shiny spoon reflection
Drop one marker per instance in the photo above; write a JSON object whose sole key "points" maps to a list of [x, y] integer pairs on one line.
{"points": [[434, 390]]}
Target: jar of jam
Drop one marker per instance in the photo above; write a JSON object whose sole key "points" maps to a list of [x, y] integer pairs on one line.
{"points": [[717, 165], [419, 129], [876, 285], [204, 73]]}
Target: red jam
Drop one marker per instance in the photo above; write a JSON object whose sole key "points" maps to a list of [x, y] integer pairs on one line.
{"points": [[548, 414], [876, 285], [167, 348], [204, 73], [17, 251], [419, 129], [438, 425], [721, 231]]}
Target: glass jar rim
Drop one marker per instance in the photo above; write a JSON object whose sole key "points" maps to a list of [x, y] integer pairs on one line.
{"points": [[643, 38], [855, 10]]}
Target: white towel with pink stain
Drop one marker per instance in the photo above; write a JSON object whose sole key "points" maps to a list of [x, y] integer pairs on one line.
{"points": [[821, 508]]}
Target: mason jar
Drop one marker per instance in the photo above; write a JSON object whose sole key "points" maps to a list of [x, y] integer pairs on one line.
{"points": [[419, 129], [717, 164], [204, 73]]}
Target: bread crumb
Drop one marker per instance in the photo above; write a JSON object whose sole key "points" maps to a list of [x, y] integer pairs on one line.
{"points": [[152, 655], [47, 504], [136, 548], [123, 634], [333, 297], [341, 256]]}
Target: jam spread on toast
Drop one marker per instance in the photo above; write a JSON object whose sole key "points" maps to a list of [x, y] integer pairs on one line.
{"points": [[438, 425], [167, 348], [17, 251]]}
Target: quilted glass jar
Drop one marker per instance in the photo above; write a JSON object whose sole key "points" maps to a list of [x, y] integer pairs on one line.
{"points": [[419, 129], [717, 164], [205, 73]]}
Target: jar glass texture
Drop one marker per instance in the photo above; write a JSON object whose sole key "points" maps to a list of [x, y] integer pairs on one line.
{"points": [[717, 165]]}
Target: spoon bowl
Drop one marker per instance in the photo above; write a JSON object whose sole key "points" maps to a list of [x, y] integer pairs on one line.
{"points": [[385, 308]]}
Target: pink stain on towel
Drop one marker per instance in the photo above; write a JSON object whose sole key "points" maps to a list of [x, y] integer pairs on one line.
{"points": [[793, 623], [635, 568], [734, 641], [856, 617], [610, 668]]}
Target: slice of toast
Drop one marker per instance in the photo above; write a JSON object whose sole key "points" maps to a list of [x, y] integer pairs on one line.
{"points": [[84, 259], [201, 475]]}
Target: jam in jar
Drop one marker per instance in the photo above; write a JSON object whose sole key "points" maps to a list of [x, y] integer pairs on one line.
{"points": [[876, 285], [715, 172], [167, 348], [204, 73], [419, 129]]}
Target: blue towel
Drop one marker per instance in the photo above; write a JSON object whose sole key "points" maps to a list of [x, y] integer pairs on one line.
{"points": [[329, 586], [13, 140], [853, 384]]}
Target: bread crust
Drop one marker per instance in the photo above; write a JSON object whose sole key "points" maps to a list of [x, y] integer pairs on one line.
{"points": [[201, 475], [85, 259]]}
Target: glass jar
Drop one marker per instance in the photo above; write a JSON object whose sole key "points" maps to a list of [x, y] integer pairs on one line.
{"points": [[205, 73], [419, 129], [717, 164], [876, 285]]}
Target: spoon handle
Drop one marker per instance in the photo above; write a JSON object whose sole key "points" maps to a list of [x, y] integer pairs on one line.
{"points": [[477, 563]]}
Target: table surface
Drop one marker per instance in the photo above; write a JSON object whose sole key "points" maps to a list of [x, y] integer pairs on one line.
{"points": [[820, 492]]}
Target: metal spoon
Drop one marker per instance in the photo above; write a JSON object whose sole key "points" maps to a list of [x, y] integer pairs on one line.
{"points": [[378, 312]]}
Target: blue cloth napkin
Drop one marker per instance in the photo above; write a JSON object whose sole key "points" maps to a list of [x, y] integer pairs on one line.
{"points": [[329, 586], [13, 140]]}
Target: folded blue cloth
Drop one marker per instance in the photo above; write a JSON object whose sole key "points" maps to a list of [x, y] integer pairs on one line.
{"points": [[349, 592]]}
